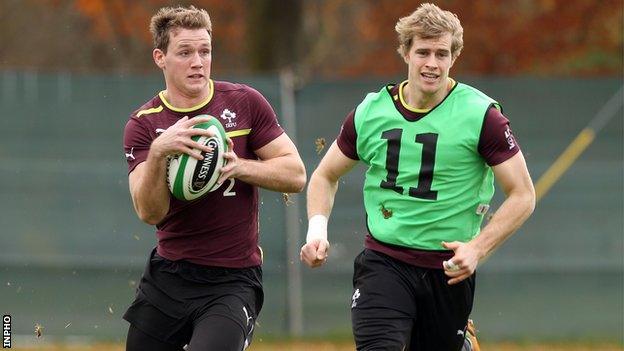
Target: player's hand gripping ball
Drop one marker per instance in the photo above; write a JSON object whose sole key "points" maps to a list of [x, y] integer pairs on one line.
{"points": [[189, 178]]}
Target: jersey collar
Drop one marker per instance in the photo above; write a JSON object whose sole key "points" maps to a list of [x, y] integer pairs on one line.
{"points": [[188, 109], [411, 113]]}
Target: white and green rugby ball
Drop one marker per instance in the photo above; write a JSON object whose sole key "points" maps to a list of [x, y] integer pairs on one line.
{"points": [[189, 178]]}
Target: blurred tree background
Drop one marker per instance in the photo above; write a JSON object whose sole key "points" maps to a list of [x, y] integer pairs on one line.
{"points": [[71, 71], [324, 38]]}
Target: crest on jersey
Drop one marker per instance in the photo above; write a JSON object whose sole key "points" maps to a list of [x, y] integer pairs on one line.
{"points": [[229, 116]]}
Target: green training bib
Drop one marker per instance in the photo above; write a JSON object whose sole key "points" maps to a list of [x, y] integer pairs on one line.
{"points": [[426, 181]]}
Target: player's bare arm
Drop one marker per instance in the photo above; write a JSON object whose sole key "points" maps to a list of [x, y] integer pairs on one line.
{"points": [[513, 177], [320, 200], [148, 185], [279, 168]]}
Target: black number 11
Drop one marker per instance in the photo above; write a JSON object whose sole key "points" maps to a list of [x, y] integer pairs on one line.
{"points": [[427, 164]]}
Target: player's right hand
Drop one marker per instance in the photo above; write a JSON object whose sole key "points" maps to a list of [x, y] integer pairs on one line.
{"points": [[177, 139], [314, 253]]}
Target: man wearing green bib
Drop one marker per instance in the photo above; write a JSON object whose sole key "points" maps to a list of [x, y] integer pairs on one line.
{"points": [[433, 147]]}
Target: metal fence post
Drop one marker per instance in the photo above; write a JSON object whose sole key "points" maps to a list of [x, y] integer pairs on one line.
{"points": [[293, 232]]}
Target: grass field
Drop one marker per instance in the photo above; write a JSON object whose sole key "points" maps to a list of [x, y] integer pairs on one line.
{"points": [[344, 346]]}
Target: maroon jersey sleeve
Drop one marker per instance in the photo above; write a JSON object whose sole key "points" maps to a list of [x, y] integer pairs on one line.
{"points": [[265, 127], [137, 141], [497, 143], [348, 137]]}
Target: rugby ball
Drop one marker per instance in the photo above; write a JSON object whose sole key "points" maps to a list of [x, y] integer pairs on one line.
{"points": [[189, 178]]}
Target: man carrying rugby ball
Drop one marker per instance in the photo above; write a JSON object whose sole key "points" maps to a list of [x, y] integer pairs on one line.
{"points": [[202, 286]]}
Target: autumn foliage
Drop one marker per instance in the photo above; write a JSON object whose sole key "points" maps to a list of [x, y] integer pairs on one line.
{"points": [[331, 38]]}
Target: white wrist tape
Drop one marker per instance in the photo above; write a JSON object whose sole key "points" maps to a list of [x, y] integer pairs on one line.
{"points": [[317, 228]]}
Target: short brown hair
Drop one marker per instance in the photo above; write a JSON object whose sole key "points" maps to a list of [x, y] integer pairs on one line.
{"points": [[169, 18], [429, 22]]}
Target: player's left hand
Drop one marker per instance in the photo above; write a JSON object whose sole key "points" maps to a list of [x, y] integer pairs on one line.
{"points": [[314, 253], [463, 264], [233, 168]]}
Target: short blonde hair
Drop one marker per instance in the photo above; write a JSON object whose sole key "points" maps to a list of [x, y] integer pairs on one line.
{"points": [[170, 18], [429, 22]]}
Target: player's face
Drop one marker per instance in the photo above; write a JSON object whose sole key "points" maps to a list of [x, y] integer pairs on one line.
{"points": [[186, 64], [429, 62]]}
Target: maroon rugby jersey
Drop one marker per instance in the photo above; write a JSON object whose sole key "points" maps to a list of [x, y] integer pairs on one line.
{"points": [[496, 145], [221, 228]]}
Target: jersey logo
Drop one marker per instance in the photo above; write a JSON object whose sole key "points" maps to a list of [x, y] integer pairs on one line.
{"points": [[510, 138], [460, 332], [160, 130], [356, 295], [229, 116], [130, 156]]}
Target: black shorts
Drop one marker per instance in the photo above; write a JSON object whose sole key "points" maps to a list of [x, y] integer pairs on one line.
{"points": [[175, 295], [398, 306]]}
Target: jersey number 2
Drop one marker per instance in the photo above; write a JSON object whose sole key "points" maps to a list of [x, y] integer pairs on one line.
{"points": [[427, 164], [228, 191]]}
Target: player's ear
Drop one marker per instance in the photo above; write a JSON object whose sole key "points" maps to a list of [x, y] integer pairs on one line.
{"points": [[159, 58], [405, 50], [405, 55]]}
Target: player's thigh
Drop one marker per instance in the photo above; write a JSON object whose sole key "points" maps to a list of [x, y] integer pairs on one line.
{"points": [[152, 321], [443, 314], [382, 304], [217, 332], [231, 319], [380, 329], [140, 341]]}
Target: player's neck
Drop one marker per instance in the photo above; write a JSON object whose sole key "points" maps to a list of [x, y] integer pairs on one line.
{"points": [[420, 100]]}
